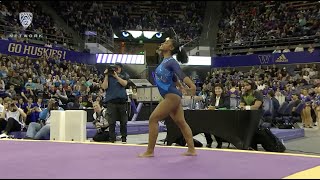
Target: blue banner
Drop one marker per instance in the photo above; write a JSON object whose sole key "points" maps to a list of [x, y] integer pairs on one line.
{"points": [[266, 59], [37, 51]]}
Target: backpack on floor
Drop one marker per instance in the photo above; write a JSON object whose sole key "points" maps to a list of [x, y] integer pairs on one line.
{"points": [[268, 140]]}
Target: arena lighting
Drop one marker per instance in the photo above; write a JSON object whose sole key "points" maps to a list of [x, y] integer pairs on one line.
{"points": [[139, 34], [198, 61], [135, 34], [120, 58], [159, 35], [149, 34], [125, 34]]}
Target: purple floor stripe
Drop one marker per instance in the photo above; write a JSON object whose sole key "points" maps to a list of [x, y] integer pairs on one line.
{"points": [[24, 159]]}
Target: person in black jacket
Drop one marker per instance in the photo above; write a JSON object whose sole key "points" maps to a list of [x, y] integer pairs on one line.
{"points": [[218, 100], [275, 102]]}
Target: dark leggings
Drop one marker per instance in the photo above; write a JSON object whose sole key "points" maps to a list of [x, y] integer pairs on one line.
{"points": [[10, 125], [210, 140], [102, 136]]}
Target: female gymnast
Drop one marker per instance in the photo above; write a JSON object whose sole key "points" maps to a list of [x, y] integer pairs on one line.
{"points": [[166, 77]]}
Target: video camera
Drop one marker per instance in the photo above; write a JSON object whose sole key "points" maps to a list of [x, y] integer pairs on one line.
{"points": [[111, 69]]}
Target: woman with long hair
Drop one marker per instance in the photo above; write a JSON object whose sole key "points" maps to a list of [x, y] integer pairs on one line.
{"points": [[167, 77]]}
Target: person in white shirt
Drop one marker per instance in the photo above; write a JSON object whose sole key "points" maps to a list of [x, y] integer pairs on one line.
{"points": [[277, 50], [12, 119], [286, 50], [299, 48]]}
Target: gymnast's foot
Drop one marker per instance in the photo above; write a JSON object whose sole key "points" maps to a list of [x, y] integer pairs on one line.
{"points": [[146, 154], [189, 153]]}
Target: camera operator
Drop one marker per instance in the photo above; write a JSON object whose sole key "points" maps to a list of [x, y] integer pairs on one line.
{"points": [[11, 119], [115, 100], [41, 128], [100, 122]]}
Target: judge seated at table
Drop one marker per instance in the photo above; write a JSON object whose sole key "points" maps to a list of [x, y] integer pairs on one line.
{"points": [[219, 99]]}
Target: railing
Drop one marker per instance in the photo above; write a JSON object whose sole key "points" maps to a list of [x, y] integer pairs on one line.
{"points": [[107, 42], [144, 74], [189, 45], [268, 43], [41, 38]]}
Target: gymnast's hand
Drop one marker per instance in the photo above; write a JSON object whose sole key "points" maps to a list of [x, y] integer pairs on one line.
{"points": [[191, 91]]}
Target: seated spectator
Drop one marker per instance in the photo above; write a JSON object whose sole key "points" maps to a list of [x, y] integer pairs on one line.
{"points": [[286, 50], [299, 48], [20, 103], [89, 101], [275, 102], [11, 119], [16, 80], [31, 110], [3, 93], [1, 105], [27, 92], [75, 104], [41, 129], [311, 48], [61, 94], [250, 51], [100, 122], [11, 91], [277, 50], [40, 103]]}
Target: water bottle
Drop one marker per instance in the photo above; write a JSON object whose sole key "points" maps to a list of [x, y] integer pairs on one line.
{"points": [[197, 106]]}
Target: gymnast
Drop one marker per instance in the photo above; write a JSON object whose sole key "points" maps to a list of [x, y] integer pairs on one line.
{"points": [[167, 77]]}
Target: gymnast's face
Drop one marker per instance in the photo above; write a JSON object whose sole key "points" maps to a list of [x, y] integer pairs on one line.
{"points": [[166, 46]]}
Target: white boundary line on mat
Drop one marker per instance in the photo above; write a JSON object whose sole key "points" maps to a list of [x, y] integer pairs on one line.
{"points": [[144, 145]]}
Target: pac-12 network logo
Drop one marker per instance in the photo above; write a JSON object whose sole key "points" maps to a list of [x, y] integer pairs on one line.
{"points": [[25, 19]]}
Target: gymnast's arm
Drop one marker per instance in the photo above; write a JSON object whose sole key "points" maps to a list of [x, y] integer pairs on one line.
{"points": [[174, 66]]}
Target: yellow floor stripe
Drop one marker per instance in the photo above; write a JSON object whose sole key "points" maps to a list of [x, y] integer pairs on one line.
{"points": [[313, 173], [207, 149]]}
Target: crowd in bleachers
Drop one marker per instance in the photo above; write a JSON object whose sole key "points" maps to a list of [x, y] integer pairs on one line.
{"points": [[102, 17], [30, 83], [279, 84], [244, 23]]}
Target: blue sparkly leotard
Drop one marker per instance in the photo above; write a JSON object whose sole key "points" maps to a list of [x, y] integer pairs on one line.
{"points": [[166, 75]]}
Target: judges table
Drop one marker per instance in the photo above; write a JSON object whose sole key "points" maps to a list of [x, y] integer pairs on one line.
{"points": [[234, 126]]}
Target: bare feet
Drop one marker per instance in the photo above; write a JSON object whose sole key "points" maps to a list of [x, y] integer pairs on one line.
{"points": [[189, 153], [146, 154]]}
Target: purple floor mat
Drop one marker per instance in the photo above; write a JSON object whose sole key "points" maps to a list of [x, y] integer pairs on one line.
{"points": [[288, 134], [25, 159]]}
